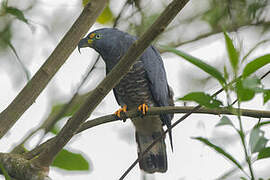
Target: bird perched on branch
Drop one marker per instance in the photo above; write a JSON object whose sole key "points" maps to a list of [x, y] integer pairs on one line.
{"points": [[145, 85]]}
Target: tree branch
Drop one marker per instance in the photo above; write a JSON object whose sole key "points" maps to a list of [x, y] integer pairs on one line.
{"points": [[211, 33], [34, 87], [171, 110], [20, 168], [154, 111], [122, 68]]}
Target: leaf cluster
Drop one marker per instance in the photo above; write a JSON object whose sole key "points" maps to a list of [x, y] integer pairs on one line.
{"points": [[245, 86]]}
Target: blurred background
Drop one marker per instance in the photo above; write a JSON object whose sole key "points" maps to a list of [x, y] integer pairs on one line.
{"points": [[29, 32]]}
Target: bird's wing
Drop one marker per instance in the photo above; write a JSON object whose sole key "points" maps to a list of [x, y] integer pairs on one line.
{"points": [[156, 75], [159, 87], [118, 98]]}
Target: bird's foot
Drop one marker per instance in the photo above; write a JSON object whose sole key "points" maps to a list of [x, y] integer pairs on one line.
{"points": [[143, 108], [121, 113]]}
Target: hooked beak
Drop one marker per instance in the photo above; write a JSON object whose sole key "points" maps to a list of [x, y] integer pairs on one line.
{"points": [[85, 42]]}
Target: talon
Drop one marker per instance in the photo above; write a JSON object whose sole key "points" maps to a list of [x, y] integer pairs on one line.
{"points": [[121, 110], [143, 108]]}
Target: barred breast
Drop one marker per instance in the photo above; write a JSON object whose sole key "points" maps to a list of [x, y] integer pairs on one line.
{"points": [[134, 88]]}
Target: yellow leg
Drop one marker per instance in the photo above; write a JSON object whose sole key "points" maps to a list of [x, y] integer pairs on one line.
{"points": [[143, 108], [118, 112]]}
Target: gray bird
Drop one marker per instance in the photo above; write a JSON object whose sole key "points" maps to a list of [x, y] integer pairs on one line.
{"points": [[144, 85]]}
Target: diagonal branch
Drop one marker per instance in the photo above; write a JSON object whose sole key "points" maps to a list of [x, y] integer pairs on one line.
{"points": [[35, 86], [122, 68]]}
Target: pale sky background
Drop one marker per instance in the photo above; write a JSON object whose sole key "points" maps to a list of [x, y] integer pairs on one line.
{"points": [[111, 148]]}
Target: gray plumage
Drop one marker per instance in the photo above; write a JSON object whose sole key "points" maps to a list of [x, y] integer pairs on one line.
{"points": [[146, 82]]}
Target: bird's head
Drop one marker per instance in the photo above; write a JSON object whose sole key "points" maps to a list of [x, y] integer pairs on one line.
{"points": [[90, 40], [108, 42]]}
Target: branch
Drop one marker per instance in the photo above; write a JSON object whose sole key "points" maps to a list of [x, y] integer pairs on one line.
{"points": [[34, 87], [174, 110], [154, 111], [121, 69], [211, 33], [19, 168]]}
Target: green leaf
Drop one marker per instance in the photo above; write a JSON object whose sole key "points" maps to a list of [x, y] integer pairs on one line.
{"points": [[17, 13], [264, 153], [219, 150], [263, 124], [256, 64], [25, 70], [84, 2], [55, 130], [243, 94], [257, 141], [60, 111], [199, 63], [225, 120], [243, 178], [233, 54], [202, 99], [253, 84], [70, 161], [5, 37], [5, 173], [266, 96], [254, 7], [71, 109], [106, 16], [226, 74]]}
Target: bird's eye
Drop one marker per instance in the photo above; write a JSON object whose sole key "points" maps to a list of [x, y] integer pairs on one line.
{"points": [[98, 36]]}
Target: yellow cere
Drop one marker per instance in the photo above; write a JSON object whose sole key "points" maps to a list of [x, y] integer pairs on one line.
{"points": [[92, 35], [90, 41]]}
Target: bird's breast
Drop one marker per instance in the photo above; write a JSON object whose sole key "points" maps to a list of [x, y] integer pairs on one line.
{"points": [[134, 88]]}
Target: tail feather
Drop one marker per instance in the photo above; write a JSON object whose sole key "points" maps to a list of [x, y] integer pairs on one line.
{"points": [[166, 119], [155, 160]]}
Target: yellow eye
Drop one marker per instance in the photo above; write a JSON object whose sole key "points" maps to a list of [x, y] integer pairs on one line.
{"points": [[98, 36], [92, 35]]}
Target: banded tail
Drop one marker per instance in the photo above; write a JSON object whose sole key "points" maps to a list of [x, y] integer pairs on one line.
{"points": [[154, 160]]}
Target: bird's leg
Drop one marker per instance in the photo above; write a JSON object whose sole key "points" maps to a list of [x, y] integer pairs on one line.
{"points": [[121, 113], [143, 108]]}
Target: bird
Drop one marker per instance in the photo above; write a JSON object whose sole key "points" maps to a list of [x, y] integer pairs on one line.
{"points": [[144, 86]]}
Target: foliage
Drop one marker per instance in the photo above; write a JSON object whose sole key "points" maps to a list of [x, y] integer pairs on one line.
{"points": [[245, 87], [202, 99], [70, 161], [105, 17], [228, 13], [7, 177]]}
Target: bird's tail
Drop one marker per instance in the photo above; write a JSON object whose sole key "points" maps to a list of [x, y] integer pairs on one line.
{"points": [[154, 160]]}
